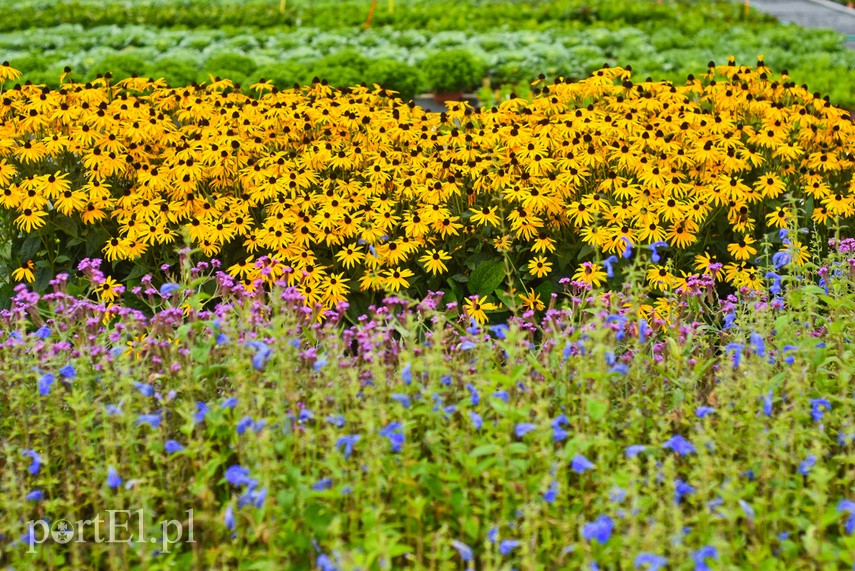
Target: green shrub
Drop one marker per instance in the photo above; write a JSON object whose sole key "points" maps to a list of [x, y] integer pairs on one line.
{"points": [[453, 70], [232, 60], [175, 70], [407, 80], [342, 69], [120, 65], [284, 75]]}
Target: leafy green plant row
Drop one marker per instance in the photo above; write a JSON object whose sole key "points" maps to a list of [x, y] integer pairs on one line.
{"points": [[412, 61], [404, 14]]}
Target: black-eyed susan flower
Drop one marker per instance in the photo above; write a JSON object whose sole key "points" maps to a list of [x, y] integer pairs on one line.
{"points": [[590, 273], [25, 272], [476, 308], [434, 261], [539, 267]]}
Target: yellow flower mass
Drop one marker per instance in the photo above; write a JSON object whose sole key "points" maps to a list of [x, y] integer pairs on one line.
{"points": [[356, 189]]}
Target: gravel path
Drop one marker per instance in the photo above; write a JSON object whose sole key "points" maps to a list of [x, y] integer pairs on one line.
{"points": [[812, 14]]}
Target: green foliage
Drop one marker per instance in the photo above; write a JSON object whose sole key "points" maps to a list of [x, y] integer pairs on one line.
{"points": [[491, 432], [284, 75], [453, 70], [407, 80]]}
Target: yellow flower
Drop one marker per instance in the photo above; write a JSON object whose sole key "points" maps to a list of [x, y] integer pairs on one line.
{"points": [[25, 272], [396, 278], [531, 300], [476, 308], [433, 261], [539, 267], [109, 290], [8, 72], [590, 273], [742, 250]]}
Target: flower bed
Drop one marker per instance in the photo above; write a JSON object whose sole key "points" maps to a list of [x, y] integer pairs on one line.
{"points": [[359, 192], [417, 438]]}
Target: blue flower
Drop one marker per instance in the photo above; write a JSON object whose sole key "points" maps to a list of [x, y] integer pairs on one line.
{"points": [[222, 339], [243, 424], [609, 263], [36, 463], [737, 353], [335, 420], [229, 518], [634, 450], [807, 464], [788, 351], [617, 494], [654, 248], [767, 403], [324, 563], [493, 534], [502, 395], [305, 415], [650, 560], [781, 259], [848, 506], [524, 428], [404, 400], [600, 529], [320, 363], [620, 369], [500, 331], [474, 392], [407, 374], [758, 343], [230, 402], [153, 420], [775, 288], [254, 497], [551, 493], [67, 372], [508, 545], [627, 253], [168, 289], [45, 383], [679, 445], [703, 411], [237, 476], [35, 496], [262, 354], [477, 421], [113, 479], [346, 444], [172, 446], [819, 407], [701, 555], [395, 433], [201, 410], [322, 484], [681, 489], [144, 389], [42, 332], [581, 464], [463, 550], [113, 410]]}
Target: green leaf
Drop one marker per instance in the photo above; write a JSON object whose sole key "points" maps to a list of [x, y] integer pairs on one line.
{"points": [[67, 225], [484, 450], [30, 246], [486, 277], [596, 409]]}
